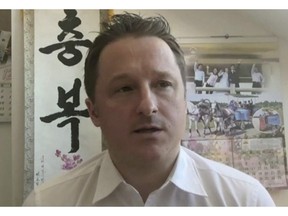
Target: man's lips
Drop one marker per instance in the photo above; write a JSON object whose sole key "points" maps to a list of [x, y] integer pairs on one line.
{"points": [[147, 129]]}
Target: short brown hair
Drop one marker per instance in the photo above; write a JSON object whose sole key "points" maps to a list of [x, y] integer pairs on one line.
{"points": [[123, 25]]}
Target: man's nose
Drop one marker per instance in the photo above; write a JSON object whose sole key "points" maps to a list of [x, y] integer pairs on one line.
{"points": [[147, 102]]}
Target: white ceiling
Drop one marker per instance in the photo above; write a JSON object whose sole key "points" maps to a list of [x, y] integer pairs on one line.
{"points": [[275, 21]]}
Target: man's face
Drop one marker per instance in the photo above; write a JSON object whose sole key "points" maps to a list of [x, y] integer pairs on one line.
{"points": [[139, 100]]}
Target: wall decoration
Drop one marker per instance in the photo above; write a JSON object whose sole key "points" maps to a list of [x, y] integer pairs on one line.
{"points": [[59, 132], [235, 108]]}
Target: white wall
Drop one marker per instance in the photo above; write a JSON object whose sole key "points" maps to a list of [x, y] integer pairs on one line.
{"points": [[197, 23], [281, 196], [184, 23]]}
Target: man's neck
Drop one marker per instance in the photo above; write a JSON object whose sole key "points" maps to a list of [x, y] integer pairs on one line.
{"points": [[147, 177], [146, 184]]}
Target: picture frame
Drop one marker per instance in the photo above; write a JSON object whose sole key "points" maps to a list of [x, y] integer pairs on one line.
{"points": [[238, 125]]}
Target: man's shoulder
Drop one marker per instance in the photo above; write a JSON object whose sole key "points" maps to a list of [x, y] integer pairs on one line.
{"points": [[240, 188], [216, 169], [86, 168], [65, 188]]}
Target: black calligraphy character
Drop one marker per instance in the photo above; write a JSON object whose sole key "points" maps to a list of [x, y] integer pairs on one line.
{"points": [[76, 55], [70, 56], [69, 111], [74, 132], [68, 24]]}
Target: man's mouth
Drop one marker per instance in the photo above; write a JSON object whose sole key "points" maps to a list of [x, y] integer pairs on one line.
{"points": [[147, 130]]}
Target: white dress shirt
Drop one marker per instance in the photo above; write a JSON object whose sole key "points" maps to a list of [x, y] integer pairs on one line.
{"points": [[257, 77], [194, 181], [200, 75]]}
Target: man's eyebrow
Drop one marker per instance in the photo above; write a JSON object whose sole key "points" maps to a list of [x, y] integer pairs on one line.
{"points": [[164, 74], [130, 76], [120, 77]]}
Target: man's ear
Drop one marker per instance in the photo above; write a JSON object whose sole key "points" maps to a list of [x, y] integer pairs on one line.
{"points": [[93, 112]]}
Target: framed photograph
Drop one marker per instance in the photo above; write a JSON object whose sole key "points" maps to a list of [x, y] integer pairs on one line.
{"points": [[235, 107]]}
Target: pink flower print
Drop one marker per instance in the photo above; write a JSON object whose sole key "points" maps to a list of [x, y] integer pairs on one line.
{"points": [[58, 153], [69, 162]]}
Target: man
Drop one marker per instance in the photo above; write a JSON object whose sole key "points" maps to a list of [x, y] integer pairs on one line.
{"points": [[135, 82], [257, 78], [199, 78], [233, 77]]}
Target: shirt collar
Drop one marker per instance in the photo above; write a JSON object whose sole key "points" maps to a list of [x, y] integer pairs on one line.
{"points": [[109, 178], [185, 175]]}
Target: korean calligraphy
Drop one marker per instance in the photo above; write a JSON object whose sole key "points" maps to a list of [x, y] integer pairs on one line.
{"points": [[68, 110], [69, 56]]}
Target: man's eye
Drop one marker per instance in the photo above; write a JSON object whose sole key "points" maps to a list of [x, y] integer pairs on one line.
{"points": [[125, 89], [164, 84]]}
